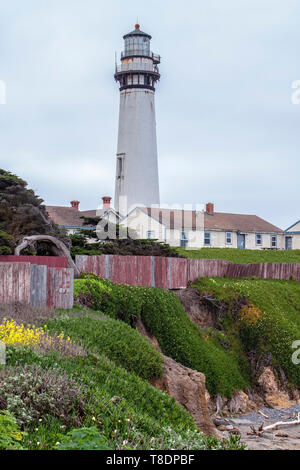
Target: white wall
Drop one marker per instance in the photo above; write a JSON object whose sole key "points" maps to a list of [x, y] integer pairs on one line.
{"points": [[138, 149], [141, 223], [295, 228]]}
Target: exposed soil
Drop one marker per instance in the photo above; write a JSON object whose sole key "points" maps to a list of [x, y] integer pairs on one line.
{"points": [[198, 312], [187, 386]]}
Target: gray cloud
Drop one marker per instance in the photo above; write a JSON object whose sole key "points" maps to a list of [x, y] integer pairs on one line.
{"points": [[227, 130]]}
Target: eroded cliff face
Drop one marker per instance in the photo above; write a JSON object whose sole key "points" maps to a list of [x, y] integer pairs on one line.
{"points": [[199, 313], [187, 386], [270, 391]]}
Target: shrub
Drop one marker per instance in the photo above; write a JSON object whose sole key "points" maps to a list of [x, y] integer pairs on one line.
{"points": [[165, 318], [10, 434], [6, 243], [186, 440], [181, 339], [116, 399], [12, 333], [83, 439], [30, 393], [81, 245], [117, 301], [115, 339], [271, 320], [249, 315]]}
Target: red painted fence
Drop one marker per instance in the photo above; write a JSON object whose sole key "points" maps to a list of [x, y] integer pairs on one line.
{"points": [[36, 285], [50, 261], [173, 273]]}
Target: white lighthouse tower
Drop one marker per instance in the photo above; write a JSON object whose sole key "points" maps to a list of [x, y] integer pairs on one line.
{"points": [[137, 168]]}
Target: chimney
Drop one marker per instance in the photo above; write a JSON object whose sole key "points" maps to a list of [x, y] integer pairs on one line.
{"points": [[106, 202], [210, 208], [75, 204]]}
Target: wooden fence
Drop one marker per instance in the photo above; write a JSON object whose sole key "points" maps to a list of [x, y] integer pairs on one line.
{"points": [[41, 285], [36, 285], [173, 273], [50, 261]]}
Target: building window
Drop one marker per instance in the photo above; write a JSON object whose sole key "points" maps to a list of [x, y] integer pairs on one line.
{"points": [[228, 238], [151, 234], [288, 243], [258, 239], [120, 165], [207, 238], [184, 239], [274, 241]]}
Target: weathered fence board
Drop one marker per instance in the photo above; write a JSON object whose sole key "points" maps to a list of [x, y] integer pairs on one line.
{"points": [[178, 273], [161, 272], [265, 270], [173, 273], [144, 271], [50, 261], [60, 284], [14, 282], [36, 285]]}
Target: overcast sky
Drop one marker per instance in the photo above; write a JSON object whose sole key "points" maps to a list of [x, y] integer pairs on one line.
{"points": [[227, 130]]}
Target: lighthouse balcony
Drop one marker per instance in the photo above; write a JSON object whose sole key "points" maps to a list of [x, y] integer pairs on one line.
{"points": [[140, 53], [137, 67]]}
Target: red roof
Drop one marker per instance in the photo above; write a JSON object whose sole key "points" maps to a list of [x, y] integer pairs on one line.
{"points": [[180, 219], [66, 216]]}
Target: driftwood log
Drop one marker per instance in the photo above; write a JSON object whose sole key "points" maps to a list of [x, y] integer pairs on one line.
{"points": [[262, 428], [59, 248]]}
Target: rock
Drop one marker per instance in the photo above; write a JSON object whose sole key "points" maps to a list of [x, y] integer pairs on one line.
{"points": [[207, 396], [235, 431], [274, 396], [221, 422], [295, 396], [188, 388], [151, 339], [223, 428], [240, 403], [280, 400], [220, 403], [268, 382]]}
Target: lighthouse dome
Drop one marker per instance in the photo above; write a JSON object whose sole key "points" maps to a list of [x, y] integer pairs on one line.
{"points": [[137, 32]]}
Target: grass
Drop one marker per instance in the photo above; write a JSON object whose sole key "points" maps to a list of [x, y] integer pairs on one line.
{"points": [[123, 405], [243, 256], [178, 337], [122, 410], [120, 343], [256, 316]]}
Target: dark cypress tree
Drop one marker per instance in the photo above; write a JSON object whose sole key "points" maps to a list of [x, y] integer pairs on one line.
{"points": [[21, 213]]}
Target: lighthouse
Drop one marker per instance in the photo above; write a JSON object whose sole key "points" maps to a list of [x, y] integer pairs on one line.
{"points": [[137, 167]]}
